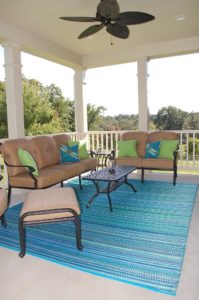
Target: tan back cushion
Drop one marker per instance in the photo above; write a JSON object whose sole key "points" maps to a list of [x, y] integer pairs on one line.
{"points": [[9, 150], [141, 137], [61, 139], [163, 135], [45, 150]]}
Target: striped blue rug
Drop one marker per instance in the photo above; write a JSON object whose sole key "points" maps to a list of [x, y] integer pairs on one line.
{"points": [[142, 242]]}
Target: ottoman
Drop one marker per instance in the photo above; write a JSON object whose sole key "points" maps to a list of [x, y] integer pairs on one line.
{"points": [[48, 206]]}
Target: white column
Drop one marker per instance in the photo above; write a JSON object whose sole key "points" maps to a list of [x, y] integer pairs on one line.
{"points": [[142, 94], [80, 104], [14, 97]]}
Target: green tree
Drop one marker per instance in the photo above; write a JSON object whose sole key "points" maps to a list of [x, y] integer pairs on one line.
{"points": [[94, 114], [3, 111], [63, 107], [170, 118], [39, 116], [191, 121]]}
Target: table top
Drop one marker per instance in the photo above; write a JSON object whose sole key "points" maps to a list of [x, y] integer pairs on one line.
{"points": [[101, 152], [106, 175]]}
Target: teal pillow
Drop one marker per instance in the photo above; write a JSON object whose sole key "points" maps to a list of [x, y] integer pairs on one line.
{"points": [[26, 159], [127, 148], [69, 154], [167, 147], [152, 149], [83, 152]]}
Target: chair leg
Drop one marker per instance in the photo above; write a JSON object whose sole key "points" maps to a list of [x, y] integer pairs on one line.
{"points": [[80, 182], [62, 184], [78, 233], [174, 176], [9, 194], [142, 176], [22, 238], [3, 222]]}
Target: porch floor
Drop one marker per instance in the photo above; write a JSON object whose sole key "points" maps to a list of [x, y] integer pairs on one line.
{"points": [[31, 278]]}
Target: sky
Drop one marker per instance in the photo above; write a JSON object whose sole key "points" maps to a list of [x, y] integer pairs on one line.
{"points": [[172, 81]]}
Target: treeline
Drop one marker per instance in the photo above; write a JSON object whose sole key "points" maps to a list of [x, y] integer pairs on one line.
{"points": [[47, 111], [167, 118]]}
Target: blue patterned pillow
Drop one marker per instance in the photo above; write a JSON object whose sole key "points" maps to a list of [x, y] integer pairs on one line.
{"points": [[69, 154], [152, 150]]}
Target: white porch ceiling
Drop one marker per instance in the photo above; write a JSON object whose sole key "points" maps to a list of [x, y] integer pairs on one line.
{"points": [[36, 26]]}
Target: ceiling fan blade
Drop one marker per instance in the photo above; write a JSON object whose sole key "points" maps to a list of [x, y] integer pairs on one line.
{"points": [[118, 30], [90, 30], [134, 17], [79, 19]]}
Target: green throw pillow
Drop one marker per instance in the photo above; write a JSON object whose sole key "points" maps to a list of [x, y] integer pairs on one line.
{"points": [[127, 148], [83, 152], [26, 159], [167, 147]]}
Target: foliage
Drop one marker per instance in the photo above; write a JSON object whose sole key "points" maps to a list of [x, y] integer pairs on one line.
{"points": [[191, 146], [94, 116], [191, 121], [3, 111], [64, 108], [170, 118], [47, 111], [117, 123], [38, 114]]}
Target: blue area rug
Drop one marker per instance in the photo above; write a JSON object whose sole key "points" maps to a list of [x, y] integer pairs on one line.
{"points": [[142, 242]]}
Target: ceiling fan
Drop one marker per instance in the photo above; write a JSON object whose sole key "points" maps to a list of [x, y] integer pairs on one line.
{"points": [[108, 14]]}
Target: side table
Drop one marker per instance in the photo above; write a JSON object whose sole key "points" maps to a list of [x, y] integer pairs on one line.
{"points": [[102, 157]]}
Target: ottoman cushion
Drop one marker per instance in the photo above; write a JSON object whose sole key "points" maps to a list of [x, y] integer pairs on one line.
{"points": [[55, 198]]}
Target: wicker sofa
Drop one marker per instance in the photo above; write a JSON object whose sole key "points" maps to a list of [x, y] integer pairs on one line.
{"points": [[45, 151], [143, 163]]}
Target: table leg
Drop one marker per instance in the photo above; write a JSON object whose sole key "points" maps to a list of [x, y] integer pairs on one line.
{"points": [[109, 197], [95, 195], [126, 181]]}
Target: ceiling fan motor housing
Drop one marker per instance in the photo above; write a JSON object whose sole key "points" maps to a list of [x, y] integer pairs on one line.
{"points": [[108, 9]]}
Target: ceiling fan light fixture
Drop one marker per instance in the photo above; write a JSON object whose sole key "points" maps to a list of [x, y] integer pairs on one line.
{"points": [[180, 18]]}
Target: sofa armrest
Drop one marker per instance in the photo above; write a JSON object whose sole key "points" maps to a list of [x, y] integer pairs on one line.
{"points": [[30, 169], [113, 153], [92, 153]]}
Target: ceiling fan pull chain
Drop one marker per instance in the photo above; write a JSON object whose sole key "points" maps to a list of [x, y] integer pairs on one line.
{"points": [[112, 41]]}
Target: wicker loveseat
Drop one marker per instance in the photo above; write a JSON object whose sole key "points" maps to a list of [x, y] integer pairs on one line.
{"points": [[46, 152], [143, 163]]}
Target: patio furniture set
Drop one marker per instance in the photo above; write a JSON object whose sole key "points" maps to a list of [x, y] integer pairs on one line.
{"points": [[45, 170]]}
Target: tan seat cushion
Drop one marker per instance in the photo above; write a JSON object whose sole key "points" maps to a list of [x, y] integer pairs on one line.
{"points": [[159, 164], [89, 164], [129, 161], [54, 198], [47, 177], [3, 201]]}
